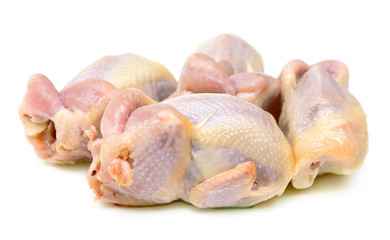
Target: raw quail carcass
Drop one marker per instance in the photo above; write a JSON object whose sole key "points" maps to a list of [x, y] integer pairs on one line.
{"points": [[212, 150], [324, 123], [55, 122], [337, 69], [130, 70], [228, 64]]}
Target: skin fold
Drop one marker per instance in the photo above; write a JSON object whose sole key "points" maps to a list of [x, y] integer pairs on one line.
{"points": [[57, 123], [228, 64], [323, 122], [212, 150]]}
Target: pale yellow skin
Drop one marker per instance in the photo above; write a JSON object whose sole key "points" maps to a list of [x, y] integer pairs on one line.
{"points": [[57, 129], [228, 64], [233, 53], [132, 71], [55, 123], [230, 133], [212, 150], [324, 123]]}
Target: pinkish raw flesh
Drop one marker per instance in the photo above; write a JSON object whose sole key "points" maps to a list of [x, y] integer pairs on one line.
{"points": [[324, 123], [55, 122], [202, 148], [228, 64]]}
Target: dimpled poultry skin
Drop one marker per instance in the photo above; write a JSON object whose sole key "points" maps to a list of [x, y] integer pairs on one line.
{"points": [[212, 150], [55, 123], [324, 123], [228, 64]]}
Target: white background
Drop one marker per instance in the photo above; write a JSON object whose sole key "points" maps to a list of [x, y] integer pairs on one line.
{"points": [[44, 201]]}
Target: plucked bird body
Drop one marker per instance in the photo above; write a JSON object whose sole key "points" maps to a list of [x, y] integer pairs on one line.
{"points": [[324, 123], [132, 71], [212, 150], [55, 122], [228, 64]]}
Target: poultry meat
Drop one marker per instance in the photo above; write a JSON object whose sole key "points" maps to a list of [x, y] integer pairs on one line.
{"points": [[212, 150], [55, 123], [323, 122], [228, 64], [130, 70]]}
